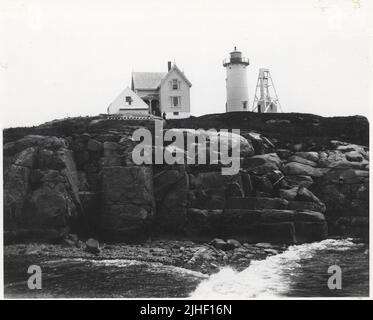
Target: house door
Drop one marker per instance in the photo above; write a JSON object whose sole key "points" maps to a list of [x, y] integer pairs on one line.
{"points": [[155, 108]]}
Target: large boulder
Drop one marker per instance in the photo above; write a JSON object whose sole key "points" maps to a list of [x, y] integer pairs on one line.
{"points": [[310, 155], [262, 164], [128, 201], [289, 194], [260, 143], [305, 195], [295, 168], [41, 188], [302, 160], [94, 145], [229, 141], [355, 158], [226, 140], [171, 191], [299, 180], [213, 198], [211, 189]]}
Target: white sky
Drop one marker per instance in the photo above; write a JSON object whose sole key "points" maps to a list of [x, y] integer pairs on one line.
{"points": [[70, 58]]}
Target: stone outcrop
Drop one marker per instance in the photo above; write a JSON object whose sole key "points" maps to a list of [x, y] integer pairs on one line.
{"points": [[295, 183], [128, 200], [41, 199]]}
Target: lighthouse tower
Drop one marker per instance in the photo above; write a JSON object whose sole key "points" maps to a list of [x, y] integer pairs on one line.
{"points": [[236, 82]]}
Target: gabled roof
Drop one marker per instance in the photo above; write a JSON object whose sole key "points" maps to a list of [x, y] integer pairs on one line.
{"points": [[120, 102], [174, 67], [153, 80], [147, 80]]}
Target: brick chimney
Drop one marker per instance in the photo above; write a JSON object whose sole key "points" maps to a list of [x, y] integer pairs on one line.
{"points": [[168, 65]]}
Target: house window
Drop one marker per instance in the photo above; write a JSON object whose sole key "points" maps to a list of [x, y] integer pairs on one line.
{"points": [[128, 100], [245, 105], [175, 84], [175, 101], [176, 113]]}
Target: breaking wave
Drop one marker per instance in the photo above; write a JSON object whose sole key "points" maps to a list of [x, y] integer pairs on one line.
{"points": [[269, 278]]}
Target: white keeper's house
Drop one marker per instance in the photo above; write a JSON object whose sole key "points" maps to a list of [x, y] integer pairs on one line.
{"points": [[156, 93]]}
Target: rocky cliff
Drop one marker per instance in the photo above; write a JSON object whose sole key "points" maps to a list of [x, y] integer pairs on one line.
{"points": [[302, 177]]}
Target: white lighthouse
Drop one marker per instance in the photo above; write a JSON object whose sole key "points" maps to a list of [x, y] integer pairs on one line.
{"points": [[236, 82]]}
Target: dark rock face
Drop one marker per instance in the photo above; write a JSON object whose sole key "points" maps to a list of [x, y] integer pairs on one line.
{"points": [[295, 183], [40, 188], [128, 200], [171, 192]]}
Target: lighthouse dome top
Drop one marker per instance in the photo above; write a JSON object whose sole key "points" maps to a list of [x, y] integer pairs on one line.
{"points": [[235, 58]]}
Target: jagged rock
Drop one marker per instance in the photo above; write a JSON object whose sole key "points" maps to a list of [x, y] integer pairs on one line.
{"points": [[94, 145], [92, 246], [262, 164], [305, 195], [262, 184], [354, 156], [289, 194], [42, 202], [283, 153], [295, 168], [263, 245], [229, 141], [276, 177], [260, 143], [128, 200], [338, 159], [45, 142], [26, 158], [301, 160], [309, 216], [304, 181], [310, 155], [213, 198], [344, 176], [347, 148], [171, 192], [234, 243], [52, 205], [271, 251], [303, 205], [71, 240], [254, 203], [221, 244], [40, 171]]}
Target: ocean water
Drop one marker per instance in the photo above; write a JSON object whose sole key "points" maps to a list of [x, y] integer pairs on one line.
{"points": [[300, 271]]}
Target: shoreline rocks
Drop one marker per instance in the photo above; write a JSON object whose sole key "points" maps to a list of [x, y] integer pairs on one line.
{"points": [[77, 175]]}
